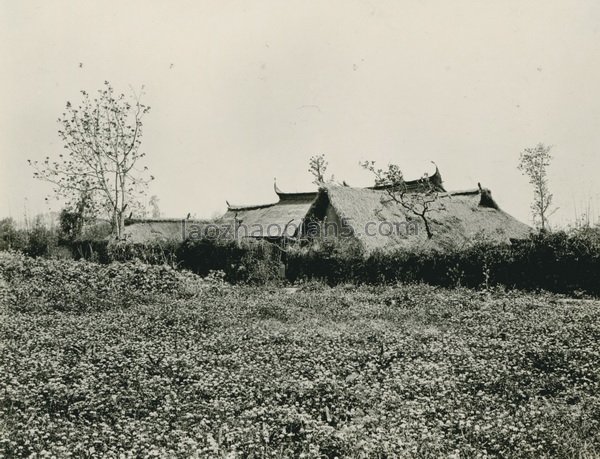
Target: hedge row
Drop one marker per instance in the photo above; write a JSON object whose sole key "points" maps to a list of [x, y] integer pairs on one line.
{"points": [[557, 262]]}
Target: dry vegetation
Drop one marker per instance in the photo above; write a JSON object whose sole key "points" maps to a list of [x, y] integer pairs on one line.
{"points": [[405, 371]]}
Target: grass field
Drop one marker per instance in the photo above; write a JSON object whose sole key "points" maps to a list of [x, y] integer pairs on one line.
{"points": [[408, 371]]}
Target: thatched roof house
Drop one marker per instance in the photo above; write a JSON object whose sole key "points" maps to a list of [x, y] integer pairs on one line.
{"points": [[376, 221], [367, 215], [379, 222]]}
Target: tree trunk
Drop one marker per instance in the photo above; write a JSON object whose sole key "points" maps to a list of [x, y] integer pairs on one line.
{"points": [[118, 224], [121, 225], [427, 228]]}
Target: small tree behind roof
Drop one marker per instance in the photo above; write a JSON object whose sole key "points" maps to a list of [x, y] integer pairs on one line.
{"points": [[420, 198]]}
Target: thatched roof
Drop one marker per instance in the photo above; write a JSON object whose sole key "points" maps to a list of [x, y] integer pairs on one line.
{"points": [[159, 230], [461, 217], [271, 220], [458, 217]]}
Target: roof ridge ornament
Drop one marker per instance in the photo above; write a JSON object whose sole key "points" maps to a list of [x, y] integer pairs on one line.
{"points": [[436, 178], [486, 199], [277, 190]]}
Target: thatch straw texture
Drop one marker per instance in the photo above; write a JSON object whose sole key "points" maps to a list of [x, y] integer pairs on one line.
{"points": [[270, 221], [459, 220], [158, 230]]}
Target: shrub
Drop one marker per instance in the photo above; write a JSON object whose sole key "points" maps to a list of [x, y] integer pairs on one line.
{"points": [[255, 262], [159, 252], [259, 264], [242, 261], [69, 285], [10, 237], [329, 260], [95, 250], [41, 241]]}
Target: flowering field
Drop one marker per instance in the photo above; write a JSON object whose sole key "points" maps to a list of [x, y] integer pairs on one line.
{"points": [[408, 371]]}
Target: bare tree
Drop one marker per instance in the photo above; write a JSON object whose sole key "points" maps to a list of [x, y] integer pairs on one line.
{"points": [[533, 163], [317, 166], [420, 199], [102, 138]]}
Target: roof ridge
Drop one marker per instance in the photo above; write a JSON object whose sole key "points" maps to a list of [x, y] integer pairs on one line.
{"points": [[382, 188], [249, 207], [131, 221], [466, 191]]}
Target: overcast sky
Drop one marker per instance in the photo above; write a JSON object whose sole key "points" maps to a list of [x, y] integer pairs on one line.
{"points": [[245, 91]]}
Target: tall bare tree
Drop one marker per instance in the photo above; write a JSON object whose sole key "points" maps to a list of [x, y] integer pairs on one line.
{"points": [[533, 163], [102, 138], [420, 199]]}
